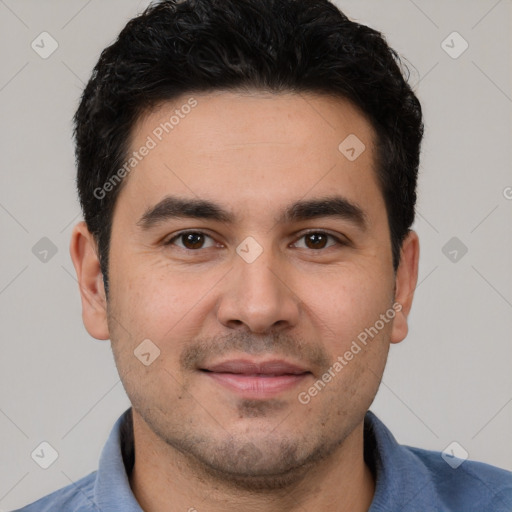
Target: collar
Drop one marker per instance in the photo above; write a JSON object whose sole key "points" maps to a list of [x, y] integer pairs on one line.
{"points": [[112, 490]]}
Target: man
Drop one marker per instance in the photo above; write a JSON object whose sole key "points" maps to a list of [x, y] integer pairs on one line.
{"points": [[247, 171]]}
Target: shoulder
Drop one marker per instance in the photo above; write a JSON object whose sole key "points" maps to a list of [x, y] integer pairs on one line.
{"points": [[411, 479], [466, 485], [76, 497]]}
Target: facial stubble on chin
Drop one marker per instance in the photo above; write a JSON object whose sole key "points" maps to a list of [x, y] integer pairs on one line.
{"points": [[265, 465]]}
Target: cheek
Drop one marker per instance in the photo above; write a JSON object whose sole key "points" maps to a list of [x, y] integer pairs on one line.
{"points": [[162, 304], [346, 315], [347, 302], [146, 317]]}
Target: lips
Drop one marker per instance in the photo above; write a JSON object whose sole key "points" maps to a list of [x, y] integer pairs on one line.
{"points": [[256, 380], [267, 368]]}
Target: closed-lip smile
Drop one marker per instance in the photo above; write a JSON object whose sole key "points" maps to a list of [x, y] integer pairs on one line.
{"points": [[256, 379]]}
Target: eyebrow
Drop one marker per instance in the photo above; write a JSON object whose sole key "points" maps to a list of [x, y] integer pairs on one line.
{"points": [[172, 207]]}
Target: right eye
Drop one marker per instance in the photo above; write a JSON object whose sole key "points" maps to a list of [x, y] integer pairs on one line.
{"points": [[191, 240]]}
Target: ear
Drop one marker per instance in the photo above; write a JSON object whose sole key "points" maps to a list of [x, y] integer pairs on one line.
{"points": [[405, 284], [84, 254]]}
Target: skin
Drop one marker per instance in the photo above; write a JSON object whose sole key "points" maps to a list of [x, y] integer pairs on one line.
{"points": [[197, 443]]}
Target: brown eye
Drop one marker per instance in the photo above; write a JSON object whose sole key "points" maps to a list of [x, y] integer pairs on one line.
{"points": [[191, 240], [317, 240]]}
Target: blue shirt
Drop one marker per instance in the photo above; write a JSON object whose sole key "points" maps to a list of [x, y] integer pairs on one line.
{"points": [[407, 479]]}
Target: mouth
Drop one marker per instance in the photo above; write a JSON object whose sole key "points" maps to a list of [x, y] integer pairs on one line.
{"points": [[256, 380]]}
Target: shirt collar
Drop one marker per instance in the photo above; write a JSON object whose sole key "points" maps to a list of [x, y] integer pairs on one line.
{"points": [[400, 475], [112, 490]]}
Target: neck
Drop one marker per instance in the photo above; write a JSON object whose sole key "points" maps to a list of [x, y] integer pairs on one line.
{"points": [[164, 479]]}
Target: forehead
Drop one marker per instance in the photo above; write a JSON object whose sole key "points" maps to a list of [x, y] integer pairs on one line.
{"points": [[242, 148]]}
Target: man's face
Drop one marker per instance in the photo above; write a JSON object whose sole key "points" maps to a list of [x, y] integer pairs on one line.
{"points": [[266, 282]]}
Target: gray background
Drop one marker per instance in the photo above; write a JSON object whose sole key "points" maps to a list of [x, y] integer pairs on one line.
{"points": [[449, 381]]}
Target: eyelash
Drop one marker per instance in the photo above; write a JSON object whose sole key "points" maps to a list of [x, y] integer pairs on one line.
{"points": [[338, 241]]}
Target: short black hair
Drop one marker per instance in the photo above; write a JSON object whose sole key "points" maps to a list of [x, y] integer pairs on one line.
{"points": [[183, 46]]}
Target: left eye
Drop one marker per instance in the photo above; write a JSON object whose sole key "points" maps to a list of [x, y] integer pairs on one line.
{"points": [[191, 240], [317, 240]]}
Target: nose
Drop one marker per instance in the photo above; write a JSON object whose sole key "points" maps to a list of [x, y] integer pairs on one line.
{"points": [[259, 296]]}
